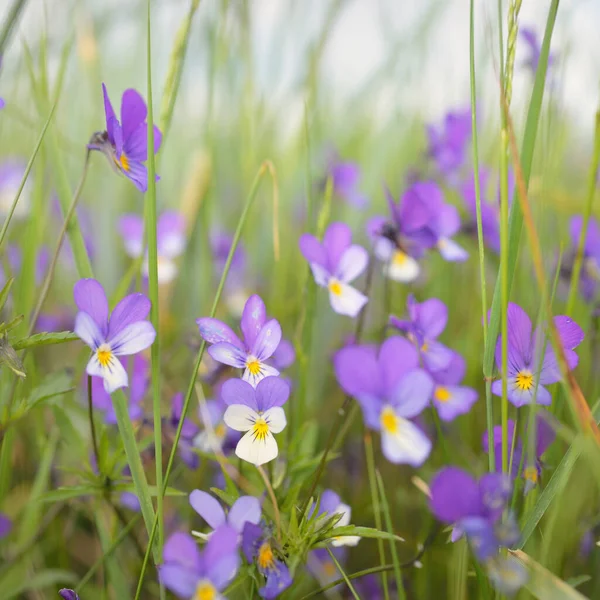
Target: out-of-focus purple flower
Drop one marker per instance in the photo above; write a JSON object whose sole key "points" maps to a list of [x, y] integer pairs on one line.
{"points": [[331, 504], [189, 431], [215, 435], [345, 177], [246, 509], [130, 501], [391, 390], [5, 525], [284, 356], [369, 586], [526, 351], [67, 594], [449, 397], [61, 319], [261, 339], [170, 240], [532, 470], [426, 321], [11, 174], [220, 244], [257, 547], [534, 49], [590, 272], [125, 144], [448, 143], [127, 332], [507, 574], [138, 385], [258, 413], [336, 262], [322, 567], [190, 573], [15, 262]]}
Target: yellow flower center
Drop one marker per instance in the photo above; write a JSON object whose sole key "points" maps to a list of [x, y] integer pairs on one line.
{"points": [[260, 430], [220, 430], [524, 380], [424, 347], [253, 366], [265, 557], [442, 394], [124, 162], [531, 474], [329, 569], [335, 287], [104, 355], [399, 258], [205, 590], [389, 420]]}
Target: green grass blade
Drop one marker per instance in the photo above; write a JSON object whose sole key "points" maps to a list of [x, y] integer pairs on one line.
{"points": [[343, 573]]}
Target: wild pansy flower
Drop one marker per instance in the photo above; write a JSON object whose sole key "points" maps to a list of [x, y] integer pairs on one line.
{"points": [[336, 262], [258, 547], [67, 594], [331, 504], [11, 174], [127, 332], [391, 390], [284, 356], [527, 350], [534, 49], [246, 509], [215, 435], [426, 322], [192, 574], [125, 143], [261, 339], [189, 431], [448, 142], [449, 397], [590, 271], [5, 525], [258, 413], [140, 375], [323, 569], [345, 177], [532, 469], [170, 241]]}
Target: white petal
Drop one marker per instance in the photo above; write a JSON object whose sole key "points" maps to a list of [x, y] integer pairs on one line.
{"points": [[383, 248], [167, 269], [240, 417], [346, 512], [401, 267], [87, 330], [275, 418], [257, 451], [352, 263], [320, 274], [133, 339], [451, 251], [345, 540], [407, 445], [113, 374], [348, 301]]}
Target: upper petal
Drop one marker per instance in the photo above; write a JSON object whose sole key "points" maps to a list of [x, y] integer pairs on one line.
{"points": [[397, 356], [519, 338], [267, 340], [412, 393], [432, 317], [178, 579], [253, 319], [131, 309], [134, 338], [246, 509], [109, 113], [213, 331], [131, 228], [337, 238], [238, 391], [270, 392], [454, 495], [221, 556], [312, 249], [170, 233], [352, 263], [133, 112], [208, 508], [90, 298], [357, 371]]}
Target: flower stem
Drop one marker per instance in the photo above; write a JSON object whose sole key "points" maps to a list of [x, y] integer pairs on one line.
{"points": [[273, 500], [92, 424]]}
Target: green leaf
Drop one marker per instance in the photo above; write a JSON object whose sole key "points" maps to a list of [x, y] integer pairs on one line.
{"points": [[229, 499], [45, 339], [68, 493], [4, 327], [50, 578], [5, 291], [9, 357], [364, 532]]}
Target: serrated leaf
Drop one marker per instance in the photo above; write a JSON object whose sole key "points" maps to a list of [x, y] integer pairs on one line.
{"points": [[5, 291], [9, 357], [45, 339]]}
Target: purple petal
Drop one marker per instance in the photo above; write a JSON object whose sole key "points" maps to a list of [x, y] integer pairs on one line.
{"points": [[181, 549], [238, 391], [136, 145], [459, 402], [251, 537], [131, 228], [497, 435], [228, 354], [519, 339], [90, 298], [133, 112], [374, 227], [312, 250], [170, 232], [221, 556], [278, 580], [87, 330], [397, 356], [67, 594], [138, 173], [352, 263], [495, 490], [357, 371], [253, 319], [5, 525], [447, 221], [329, 502], [246, 509], [545, 433], [208, 508], [284, 356], [432, 317], [454, 495], [133, 339], [178, 579], [214, 331], [337, 238], [270, 392], [109, 112], [371, 407], [454, 373], [131, 309], [412, 393], [436, 356], [267, 340]]}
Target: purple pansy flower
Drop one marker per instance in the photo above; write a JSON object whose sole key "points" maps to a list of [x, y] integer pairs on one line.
{"points": [[11, 174], [284, 356], [544, 436], [448, 142], [67, 594], [426, 321], [170, 239], [336, 262], [534, 48], [127, 331], [391, 390], [258, 548], [137, 390], [525, 355], [331, 504], [189, 431], [192, 574], [258, 413], [246, 509], [345, 177], [261, 339], [449, 397], [126, 144], [5, 525], [590, 272]]}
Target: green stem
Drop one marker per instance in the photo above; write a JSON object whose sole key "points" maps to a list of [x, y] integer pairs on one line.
{"points": [[92, 423], [343, 573]]}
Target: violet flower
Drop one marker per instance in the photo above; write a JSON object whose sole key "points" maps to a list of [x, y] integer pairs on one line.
{"points": [[192, 574], [215, 434], [5, 525], [391, 390], [257, 547], [246, 509], [426, 321], [345, 177], [525, 355], [261, 339], [125, 143], [590, 271], [258, 413], [322, 567], [170, 241], [449, 397], [67, 594], [127, 331], [189, 431], [11, 174], [284, 356], [330, 503], [336, 262], [532, 470], [137, 390]]}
